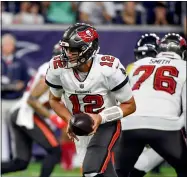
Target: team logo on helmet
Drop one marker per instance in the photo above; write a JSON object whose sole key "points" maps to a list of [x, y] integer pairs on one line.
{"points": [[183, 42], [88, 35]]}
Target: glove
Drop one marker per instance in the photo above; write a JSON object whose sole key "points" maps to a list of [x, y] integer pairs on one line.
{"points": [[57, 121]]}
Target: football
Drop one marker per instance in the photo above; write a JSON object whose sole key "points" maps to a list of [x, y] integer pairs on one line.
{"points": [[81, 124]]}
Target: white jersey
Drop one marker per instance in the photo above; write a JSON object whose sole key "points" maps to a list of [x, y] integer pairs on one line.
{"points": [[105, 78], [25, 109], [105, 85], [159, 89]]}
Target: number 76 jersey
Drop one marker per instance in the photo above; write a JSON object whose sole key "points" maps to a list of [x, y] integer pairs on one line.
{"points": [[159, 86], [105, 84]]}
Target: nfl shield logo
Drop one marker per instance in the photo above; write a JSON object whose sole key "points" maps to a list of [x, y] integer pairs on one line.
{"points": [[81, 86]]}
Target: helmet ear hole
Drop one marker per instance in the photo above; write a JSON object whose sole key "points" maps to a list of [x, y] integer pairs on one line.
{"points": [[82, 60]]}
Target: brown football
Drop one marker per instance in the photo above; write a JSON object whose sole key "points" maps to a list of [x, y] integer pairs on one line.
{"points": [[81, 124]]}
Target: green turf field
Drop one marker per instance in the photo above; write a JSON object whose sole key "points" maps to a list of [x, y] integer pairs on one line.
{"points": [[33, 170]]}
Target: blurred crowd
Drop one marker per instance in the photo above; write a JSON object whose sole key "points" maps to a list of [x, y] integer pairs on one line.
{"points": [[118, 12]]}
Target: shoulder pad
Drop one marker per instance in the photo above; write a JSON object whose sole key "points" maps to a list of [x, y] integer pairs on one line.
{"points": [[108, 64], [55, 64]]}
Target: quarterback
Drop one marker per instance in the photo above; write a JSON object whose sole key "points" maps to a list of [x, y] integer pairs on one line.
{"points": [[94, 84]]}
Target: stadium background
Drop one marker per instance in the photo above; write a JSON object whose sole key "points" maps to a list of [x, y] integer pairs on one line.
{"points": [[35, 43]]}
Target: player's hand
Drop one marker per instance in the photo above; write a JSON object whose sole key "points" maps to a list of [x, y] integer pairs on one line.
{"points": [[57, 121], [97, 121], [70, 133]]}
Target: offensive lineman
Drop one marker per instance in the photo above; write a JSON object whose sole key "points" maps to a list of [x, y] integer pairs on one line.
{"points": [[146, 46], [27, 126], [159, 88], [92, 83]]}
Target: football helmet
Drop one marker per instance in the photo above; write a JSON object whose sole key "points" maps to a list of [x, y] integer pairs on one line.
{"points": [[173, 42], [80, 44], [146, 46]]}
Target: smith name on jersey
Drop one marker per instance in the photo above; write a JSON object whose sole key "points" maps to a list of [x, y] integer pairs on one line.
{"points": [[97, 91]]}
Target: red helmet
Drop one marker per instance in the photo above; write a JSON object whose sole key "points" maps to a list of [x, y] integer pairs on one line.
{"points": [[82, 38]]}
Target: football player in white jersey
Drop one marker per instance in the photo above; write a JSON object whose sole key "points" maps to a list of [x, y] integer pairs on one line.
{"points": [[146, 46], [159, 88], [91, 83], [26, 126], [149, 158]]}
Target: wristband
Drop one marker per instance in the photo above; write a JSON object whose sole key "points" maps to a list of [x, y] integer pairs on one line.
{"points": [[111, 114]]}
